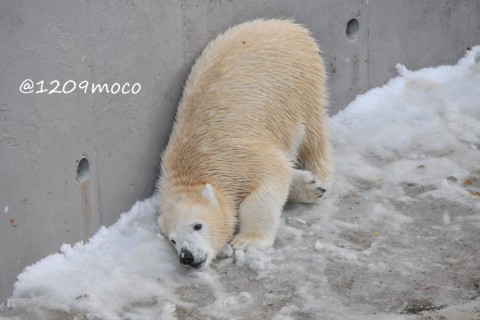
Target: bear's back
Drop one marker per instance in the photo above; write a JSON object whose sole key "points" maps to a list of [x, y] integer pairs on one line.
{"points": [[248, 96]]}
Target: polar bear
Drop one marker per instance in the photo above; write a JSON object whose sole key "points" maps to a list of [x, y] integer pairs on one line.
{"points": [[248, 135]]}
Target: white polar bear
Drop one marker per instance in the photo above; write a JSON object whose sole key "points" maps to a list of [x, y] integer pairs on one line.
{"points": [[249, 134]]}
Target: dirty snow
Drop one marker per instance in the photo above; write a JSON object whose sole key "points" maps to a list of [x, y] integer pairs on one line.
{"points": [[398, 236]]}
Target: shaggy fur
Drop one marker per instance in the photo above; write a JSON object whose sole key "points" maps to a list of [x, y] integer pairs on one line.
{"points": [[253, 109]]}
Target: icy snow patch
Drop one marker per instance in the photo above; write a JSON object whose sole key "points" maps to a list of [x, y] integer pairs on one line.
{"points": [[397, 237]]}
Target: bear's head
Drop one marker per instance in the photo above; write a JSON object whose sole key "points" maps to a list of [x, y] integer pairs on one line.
{"points": [[198, 225]]}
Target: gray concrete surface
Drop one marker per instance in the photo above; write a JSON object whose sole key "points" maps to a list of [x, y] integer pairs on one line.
{"points": [[44, 136]]}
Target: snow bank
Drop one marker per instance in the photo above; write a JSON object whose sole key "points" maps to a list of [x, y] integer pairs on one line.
{"points": [[397, 236], [126, 264]]}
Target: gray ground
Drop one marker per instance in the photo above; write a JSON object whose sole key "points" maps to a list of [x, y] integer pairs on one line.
{"points": [[424, 269]]}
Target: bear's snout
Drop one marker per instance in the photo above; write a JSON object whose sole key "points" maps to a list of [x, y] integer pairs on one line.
{"points": [[186, 257]]}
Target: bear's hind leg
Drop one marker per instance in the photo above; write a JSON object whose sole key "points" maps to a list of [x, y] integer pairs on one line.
{"points": [[315, 163], [259, 214]]}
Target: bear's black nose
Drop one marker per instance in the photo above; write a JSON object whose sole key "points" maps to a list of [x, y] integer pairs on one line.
{"points": [[186, 257]]}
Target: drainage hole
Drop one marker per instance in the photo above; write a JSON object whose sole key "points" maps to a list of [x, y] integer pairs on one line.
{"points": [[352, 28], [83, 170]]}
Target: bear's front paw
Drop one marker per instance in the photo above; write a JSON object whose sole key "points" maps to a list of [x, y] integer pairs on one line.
{"points": [[245, 241]]}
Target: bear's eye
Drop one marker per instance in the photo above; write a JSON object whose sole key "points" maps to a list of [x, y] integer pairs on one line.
{"points": [[173, 241], [197, 227]]}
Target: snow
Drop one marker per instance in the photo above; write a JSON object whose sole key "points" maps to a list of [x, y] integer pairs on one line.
{"points": [[398, 236], [319, 246]]}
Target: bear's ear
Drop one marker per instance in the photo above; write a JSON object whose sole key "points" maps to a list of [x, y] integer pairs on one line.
{"points": [[209, 194]]}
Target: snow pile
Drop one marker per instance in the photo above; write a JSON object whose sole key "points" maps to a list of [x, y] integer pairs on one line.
{"points": [[398, 236], [124, 263]]}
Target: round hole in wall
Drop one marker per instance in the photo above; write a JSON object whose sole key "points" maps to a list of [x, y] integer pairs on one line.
{"points": [[83, 170], [352, 28]]}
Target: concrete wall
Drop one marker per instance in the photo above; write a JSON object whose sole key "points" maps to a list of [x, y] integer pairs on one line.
{"points": [[44, 136]]}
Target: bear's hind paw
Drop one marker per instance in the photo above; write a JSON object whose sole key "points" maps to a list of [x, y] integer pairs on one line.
{"points": [[306, 188]]}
